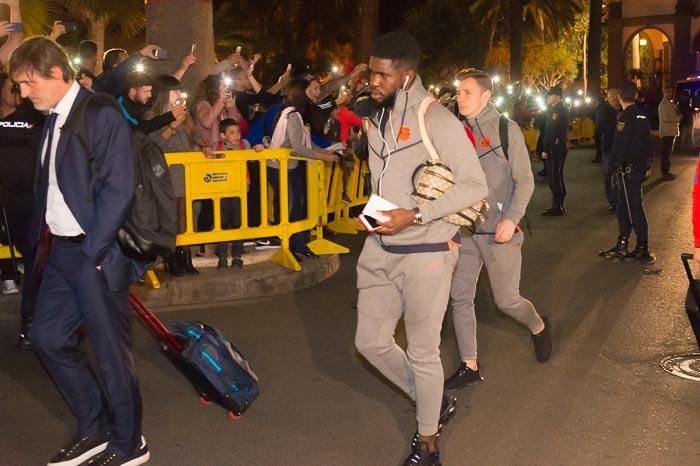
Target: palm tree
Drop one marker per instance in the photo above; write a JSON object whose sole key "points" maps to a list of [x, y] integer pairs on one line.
{"points": [[177, 24], [369, 25], [36, 16], [128, 15], [445, 31], [548, 17], [594, 47]]}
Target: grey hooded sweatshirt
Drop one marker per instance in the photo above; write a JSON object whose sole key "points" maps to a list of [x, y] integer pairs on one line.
{"points": [[402, 135], [510, 181]]}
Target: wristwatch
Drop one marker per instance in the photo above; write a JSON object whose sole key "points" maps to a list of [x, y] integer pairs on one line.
{"points": [[418, 219]]}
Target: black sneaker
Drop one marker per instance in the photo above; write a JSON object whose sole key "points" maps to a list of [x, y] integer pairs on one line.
{"points": [[79, 451], [112, 458], [617, 252], [237, 262], [641, 254], [421, 456], [463, 378], [447, 410], [543, 342], [222, 263], [24, 342]]}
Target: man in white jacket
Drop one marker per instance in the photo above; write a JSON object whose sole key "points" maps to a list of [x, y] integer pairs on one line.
{"points": [[669, 118]]}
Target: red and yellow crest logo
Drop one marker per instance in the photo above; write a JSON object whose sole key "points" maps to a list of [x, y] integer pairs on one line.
{"points": [[404, 133], [485, 143]]}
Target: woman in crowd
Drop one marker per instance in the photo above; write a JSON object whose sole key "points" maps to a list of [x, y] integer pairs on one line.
{"points": [[292, 131], [176, 137], [9, 97], [213, 103]]}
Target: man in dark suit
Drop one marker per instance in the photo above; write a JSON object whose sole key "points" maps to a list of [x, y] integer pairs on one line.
{"points": [[84, 275]]}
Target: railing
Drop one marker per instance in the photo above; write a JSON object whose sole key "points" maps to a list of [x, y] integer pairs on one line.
{"points": [[222, 180]]}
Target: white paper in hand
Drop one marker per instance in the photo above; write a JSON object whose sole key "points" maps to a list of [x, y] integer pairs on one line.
{"points": [[377, 204]]}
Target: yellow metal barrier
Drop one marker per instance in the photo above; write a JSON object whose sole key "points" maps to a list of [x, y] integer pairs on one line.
{"points": [[215, 179], [531, 135], [581, 131], [5, 252], [335, 205]]}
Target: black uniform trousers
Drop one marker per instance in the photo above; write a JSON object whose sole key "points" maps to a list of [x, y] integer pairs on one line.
{"points": [[19, 211], [74, 293], [555, 177], [630, 207]]}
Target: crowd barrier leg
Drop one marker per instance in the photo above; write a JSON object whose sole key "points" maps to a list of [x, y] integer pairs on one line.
{"points": [[322, 246], [342, 222], [284, 256], [151, 279]]}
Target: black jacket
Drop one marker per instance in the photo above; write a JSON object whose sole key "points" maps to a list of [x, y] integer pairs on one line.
{"points": [[632, 142], [556, 129], [605, 122], [19, 140], [134, 113]]}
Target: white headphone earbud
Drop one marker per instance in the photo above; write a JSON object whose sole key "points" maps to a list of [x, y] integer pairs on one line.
{"points": [[405, 82]]}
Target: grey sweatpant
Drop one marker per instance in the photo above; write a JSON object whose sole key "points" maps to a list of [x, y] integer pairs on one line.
{"points": [[416, 286], [503, 263]]}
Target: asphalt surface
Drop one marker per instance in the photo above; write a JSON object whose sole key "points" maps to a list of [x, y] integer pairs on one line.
{"points": [[601, 399]]}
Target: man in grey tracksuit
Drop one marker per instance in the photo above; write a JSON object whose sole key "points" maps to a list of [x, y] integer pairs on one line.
{"points": [[497, 242], [405, 268]]}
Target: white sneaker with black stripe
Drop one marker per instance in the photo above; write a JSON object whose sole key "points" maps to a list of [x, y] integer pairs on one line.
{"points": [[79, 451]]}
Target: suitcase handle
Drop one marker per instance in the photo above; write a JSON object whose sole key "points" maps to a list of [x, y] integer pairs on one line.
{"points": [[686, 258]]}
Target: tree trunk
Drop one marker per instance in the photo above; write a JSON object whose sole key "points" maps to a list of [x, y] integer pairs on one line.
{"points": [[368, 25], [177, 24], [97, 35], [516, 40], [585, 66], [594, 48]]}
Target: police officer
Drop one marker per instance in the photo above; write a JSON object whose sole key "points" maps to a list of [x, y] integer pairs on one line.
{"points": [[20, 132], [605, 125], [555, 150], [631, 160]]}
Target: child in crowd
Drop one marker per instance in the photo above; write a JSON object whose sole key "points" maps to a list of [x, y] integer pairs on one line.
{"points": [[230, 139]]}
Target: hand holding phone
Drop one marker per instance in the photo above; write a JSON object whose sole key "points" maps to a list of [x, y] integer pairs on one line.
{"points": [[193, 49], [15, 27], [370, 223], [160, 54], [238, 50]]}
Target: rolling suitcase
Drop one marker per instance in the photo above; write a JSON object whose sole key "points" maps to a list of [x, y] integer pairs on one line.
{"points": [[692, 298], [215, 367]]}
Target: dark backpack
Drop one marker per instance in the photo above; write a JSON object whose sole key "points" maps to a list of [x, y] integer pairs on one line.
{"points": [[151, 227]]}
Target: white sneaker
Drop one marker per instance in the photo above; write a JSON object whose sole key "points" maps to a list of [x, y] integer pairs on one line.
{"points": [[9, 287]]}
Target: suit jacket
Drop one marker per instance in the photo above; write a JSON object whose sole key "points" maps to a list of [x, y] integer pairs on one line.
{"points": [[103, 215]]}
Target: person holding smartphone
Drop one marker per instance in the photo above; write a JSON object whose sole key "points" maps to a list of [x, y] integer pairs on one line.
{"points": [[406, 266], [12, 29]]}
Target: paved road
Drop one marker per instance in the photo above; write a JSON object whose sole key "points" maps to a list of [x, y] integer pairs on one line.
{"points": [[602, 399]]}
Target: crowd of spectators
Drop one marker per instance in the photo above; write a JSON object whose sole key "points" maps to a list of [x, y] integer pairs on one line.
{"points": [[230, 110]]}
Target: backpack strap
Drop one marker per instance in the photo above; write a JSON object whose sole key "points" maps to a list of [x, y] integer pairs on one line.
{"points": [[76, 123], [422, 109], [503, 134]]}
